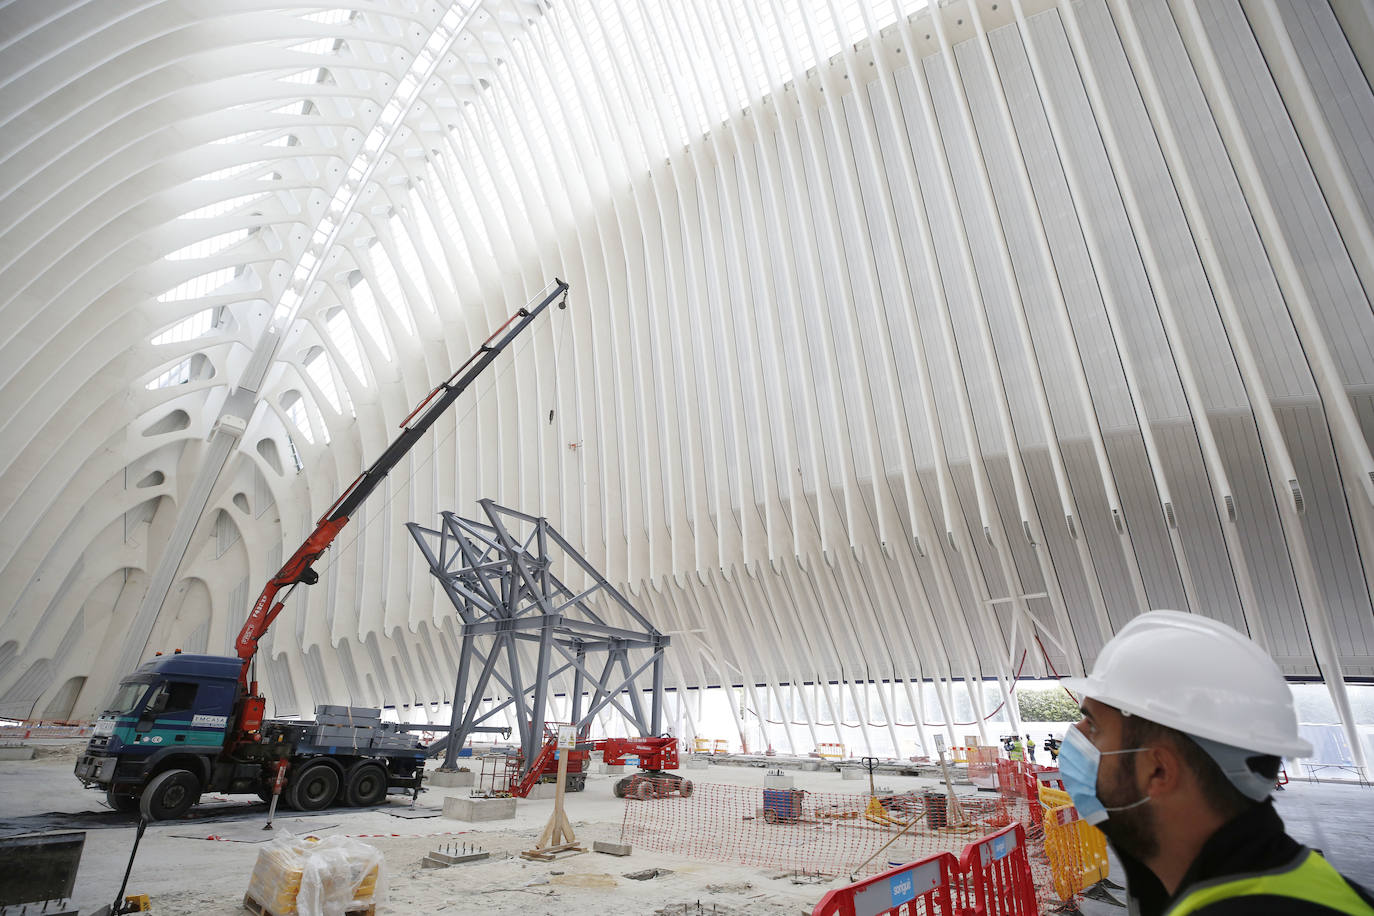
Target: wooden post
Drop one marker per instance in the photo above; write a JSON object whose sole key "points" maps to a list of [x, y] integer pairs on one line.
{"points": [[954, 817], [558, 836]]}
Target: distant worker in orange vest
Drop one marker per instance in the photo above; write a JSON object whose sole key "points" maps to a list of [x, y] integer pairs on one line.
{"points": [[1185, 724]]}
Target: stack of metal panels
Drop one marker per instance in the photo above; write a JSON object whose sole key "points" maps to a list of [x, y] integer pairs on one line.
{"points": [[354, 716]]}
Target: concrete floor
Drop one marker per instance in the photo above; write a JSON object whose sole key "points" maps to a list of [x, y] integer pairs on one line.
{"points": [[202, 866]]}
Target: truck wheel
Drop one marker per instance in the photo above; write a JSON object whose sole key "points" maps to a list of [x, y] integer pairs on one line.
{"points": [[684, 788], [170, 795], [124, 804], [313, 788], [577, 782], [365, 786]]}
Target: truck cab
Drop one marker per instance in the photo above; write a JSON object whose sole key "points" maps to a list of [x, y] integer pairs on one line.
{"points": [[172, 713]]}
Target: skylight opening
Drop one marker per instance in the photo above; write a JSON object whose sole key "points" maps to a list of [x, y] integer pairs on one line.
{"points": [[346, 341], [411, 262], [301, 107], [210, 211], [389, 285], [438, 199], [230, 171], [306, 77], [536, 130], [199, 286], [239, 138], [206, 247], [293, 405], [329, 17], [315, 46], [321, 370], [365, 307], [197, 325], [466, 200], [179, 374]]}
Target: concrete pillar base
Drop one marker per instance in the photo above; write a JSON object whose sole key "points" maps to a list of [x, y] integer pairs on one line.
{"points": [[479, 809]]}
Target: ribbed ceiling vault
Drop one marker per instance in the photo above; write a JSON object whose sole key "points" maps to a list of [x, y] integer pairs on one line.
{"points": [[902, 348]]}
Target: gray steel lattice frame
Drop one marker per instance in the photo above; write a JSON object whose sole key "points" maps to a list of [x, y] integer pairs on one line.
{"points": [[505, 592]]}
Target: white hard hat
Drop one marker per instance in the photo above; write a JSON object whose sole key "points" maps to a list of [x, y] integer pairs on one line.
{"points": [[1199, 676]]}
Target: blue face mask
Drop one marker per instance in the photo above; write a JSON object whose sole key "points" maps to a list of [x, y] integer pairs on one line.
{"points": [[1078, 761]]}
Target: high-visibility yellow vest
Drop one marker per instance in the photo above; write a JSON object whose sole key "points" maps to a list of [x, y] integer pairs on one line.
{"points": [[1310, 878]]}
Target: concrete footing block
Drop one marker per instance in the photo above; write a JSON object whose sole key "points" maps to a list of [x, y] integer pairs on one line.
{"points": [[852, 773], [811, 766], [479, 809], [450, 780], [543, 790], [774, 781], [442, 858], [17, 753], [611, 849]]}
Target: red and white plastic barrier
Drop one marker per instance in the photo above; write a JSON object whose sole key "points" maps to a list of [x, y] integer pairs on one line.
{"points": [[998, 873], [991, 878]]}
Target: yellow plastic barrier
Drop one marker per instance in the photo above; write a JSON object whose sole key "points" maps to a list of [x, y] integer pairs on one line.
{"points": [[1076, 850], [830, 751], [960, 753]]}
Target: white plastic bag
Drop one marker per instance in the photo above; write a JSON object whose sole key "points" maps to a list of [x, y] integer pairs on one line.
{"points": [[340, 874], [314, 877]]}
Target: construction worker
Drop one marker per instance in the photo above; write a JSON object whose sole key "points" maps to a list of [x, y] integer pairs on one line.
{"points": [[1016, 752], [1030, 748], [1185, 722]]}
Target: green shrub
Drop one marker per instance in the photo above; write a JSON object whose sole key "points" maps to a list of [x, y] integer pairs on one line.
{"points": [[1052, 705]]}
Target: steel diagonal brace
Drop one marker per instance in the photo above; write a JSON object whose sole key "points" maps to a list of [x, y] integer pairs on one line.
{"points": [[591, 571], [600, 697], [610, 695]]}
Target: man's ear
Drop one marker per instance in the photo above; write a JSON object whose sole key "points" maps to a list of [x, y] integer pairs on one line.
{"points": [[1163, 768]]}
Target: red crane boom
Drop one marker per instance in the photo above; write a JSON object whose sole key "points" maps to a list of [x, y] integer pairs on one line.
{"points": [[299, 568]]}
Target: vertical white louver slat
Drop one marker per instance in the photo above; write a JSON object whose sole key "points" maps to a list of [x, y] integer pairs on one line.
{"points": [[1350, 443]]}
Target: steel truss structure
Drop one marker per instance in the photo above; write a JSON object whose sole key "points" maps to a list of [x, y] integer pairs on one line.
{"points": [[500, 577]]}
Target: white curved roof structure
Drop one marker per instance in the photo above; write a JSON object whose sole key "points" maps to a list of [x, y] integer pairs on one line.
{"points": [[902, 348]]}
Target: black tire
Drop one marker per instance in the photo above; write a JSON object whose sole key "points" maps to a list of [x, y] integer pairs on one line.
{"points": [[644, 790], [170, 795], [124, 804], [577, 782], [365, 785], [313, 788], [684, 788]]}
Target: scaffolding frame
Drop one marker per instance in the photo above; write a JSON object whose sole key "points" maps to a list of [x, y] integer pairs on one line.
{"points": [[499, 574]]}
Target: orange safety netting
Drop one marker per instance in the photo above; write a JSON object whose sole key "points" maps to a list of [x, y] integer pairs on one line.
{"points": [[827, 832]]}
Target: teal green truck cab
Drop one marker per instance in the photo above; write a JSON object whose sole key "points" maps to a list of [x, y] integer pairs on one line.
{"points": [[164, 741]]}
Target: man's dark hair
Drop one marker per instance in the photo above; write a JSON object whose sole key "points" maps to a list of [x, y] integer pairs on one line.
{"points": [[1225, 798]]}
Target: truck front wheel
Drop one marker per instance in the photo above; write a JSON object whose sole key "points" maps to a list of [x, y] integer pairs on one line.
{"points": [[366, 785], [170, 795], [313, 788]]}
